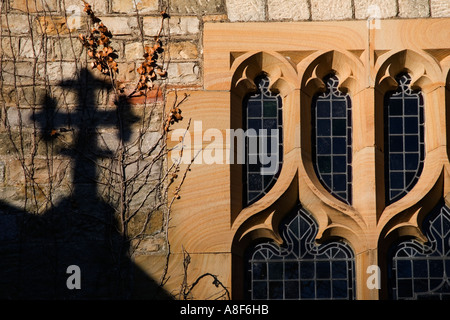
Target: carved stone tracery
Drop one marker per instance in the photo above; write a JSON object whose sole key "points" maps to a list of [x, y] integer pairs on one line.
{"points": [[363, 228]]}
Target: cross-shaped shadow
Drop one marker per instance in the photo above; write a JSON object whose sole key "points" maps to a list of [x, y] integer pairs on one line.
{"points": [[81, 228]]}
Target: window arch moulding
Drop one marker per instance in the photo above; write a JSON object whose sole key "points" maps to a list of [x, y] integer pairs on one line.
{"points": [[208, 222], [282, 78], [428, 76]]}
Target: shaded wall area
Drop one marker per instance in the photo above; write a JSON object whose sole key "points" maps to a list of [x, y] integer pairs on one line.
{"points": [[63, 207]]}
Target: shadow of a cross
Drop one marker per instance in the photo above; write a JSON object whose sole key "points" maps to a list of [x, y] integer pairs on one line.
{"points": [[85, 120], [81, 229]]}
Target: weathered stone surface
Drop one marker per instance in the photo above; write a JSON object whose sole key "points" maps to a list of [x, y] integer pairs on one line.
{"points": [[183, 50], [440, 8], [183, 72], [31, 95], [57, 71], [65, 49], [32, 48], [2, 172], [76, 7], [331, 9], [13, 141], [120, 25], [134, 51], [288, 10], [246, 10], [148, 245], [33, 6], [375, 9], [178, 25], [18, 73], [196, 6], [413, 8], [9, 47], [142, 6], [20, 117], [41, 170], [15, 24], [52, 25]]}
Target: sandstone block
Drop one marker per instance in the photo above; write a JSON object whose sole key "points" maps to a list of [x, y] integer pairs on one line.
{"points": [[52, 25], [177, 25], [142, 6], [76, 6], [16, 24], [375, 9], [31, 48], [2, 171], [31, 95], [413, 8], [288, 10], [246, 10], [183, 50], [119, 25], [440, 8], [22, 72], [57, 71], [134, 51], [148, 244], [331, 9], [43, 172], [197, 6], [183, 72], [9, 47], [33, 6], [20, 117], [65, 49], [13, 140]]}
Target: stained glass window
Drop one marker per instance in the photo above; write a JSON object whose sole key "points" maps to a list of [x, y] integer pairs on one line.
{"points": [[332, 140], [421, 271], [300, 269], [264, 141], [404, 138]]}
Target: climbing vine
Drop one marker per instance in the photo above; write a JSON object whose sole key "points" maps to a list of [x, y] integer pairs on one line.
{"points": [[84, 160]]}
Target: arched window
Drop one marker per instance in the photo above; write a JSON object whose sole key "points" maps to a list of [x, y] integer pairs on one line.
{"points": [[404, 138], [301, 269], [421, 271], [264, 140], [332, 140]]}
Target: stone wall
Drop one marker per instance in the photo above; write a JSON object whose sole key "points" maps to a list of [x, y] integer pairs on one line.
{"points": [[60, 132]]}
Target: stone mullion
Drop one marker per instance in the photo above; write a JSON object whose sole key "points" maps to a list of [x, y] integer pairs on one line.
{"points": [[366, 185]]}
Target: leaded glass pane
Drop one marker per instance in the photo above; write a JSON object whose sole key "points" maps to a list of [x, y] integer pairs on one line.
{"points": [[300, 269], [332, 140], [404, 143], [264, 145], [421, 271]]}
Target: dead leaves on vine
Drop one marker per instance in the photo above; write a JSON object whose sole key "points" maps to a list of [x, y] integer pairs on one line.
{"points": [[174, 114], [150, 70], [98, 46]]}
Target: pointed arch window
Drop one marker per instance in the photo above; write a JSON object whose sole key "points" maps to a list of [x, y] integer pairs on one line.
{"points": [[404, 138], [301, 269], [332, 139], [264, 140], [422, 271]]}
